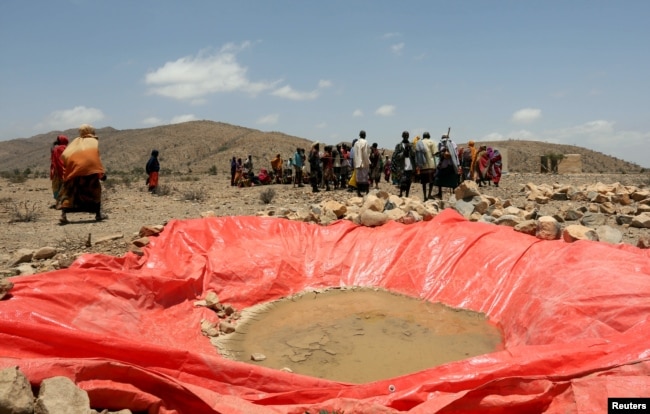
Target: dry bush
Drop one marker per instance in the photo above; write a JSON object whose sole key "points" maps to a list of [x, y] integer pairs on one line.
{"points": [[24, 211], [267, 195], [163, 190], [195, 194], [74, 242]]}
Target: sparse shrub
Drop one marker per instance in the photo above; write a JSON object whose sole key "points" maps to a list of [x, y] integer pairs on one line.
{"points": [[14, 177], [127, 180], [24, 212], [213, 170], [188, 178], [74, 242], [110, 183], [267, 195], [194, 194], [163, 190]]}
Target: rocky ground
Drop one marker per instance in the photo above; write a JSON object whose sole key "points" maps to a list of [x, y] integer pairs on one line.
{"points": [[32, 241]]}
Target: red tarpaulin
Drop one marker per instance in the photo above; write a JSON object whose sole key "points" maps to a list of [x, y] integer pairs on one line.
{"points": [[575, 317]]}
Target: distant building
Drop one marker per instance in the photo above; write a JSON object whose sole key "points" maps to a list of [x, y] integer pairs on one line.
{"points": [[561, 164], [570, 164]]}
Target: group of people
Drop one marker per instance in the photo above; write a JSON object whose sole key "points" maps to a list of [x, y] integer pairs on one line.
{"points": [[442, 164], [482, 165], [76, 168], [360, 166]]}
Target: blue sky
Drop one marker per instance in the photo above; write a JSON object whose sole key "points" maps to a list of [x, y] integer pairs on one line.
{"points": [[570, 72]]}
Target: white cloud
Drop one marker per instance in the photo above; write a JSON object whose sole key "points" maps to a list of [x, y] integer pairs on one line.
{"points": [[324, 83], [391, 35], [71, 118], [289, 93], [193, 77], [526, 115], [357, 113], [182, 118], [152, 121], [386, 110], [321, 125], [397, 48], [270, 119]]}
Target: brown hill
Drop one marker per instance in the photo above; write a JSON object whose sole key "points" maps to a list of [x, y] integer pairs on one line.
{"points": [[199, 146]]}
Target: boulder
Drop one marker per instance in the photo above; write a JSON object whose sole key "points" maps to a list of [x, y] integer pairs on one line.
{"points": [[548, 228], [16, 395], [61, 395], [642, 221], [609, 234], [575, 232]]}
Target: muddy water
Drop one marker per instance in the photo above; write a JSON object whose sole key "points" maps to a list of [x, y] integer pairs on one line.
{"points": [[359, 335]]}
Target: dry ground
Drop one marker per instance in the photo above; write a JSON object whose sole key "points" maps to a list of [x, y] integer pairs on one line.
{"points": [[130, 206]]}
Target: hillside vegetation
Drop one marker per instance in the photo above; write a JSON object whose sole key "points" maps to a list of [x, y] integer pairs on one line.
{"points": [[207, 147]]}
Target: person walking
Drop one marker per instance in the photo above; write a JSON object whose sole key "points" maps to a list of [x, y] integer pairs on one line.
{"points": [[298, 163], [56, 165], [233, 171], [362, 163], [403, 163], [375, 165], [82, 171], [314, 166], [153, 169], [426, 163]]}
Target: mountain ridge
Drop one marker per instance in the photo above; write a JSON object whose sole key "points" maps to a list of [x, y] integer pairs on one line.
{"points": [[202, 146]]}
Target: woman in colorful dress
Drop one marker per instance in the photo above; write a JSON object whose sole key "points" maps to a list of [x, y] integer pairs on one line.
{"points": [[82, 171]]}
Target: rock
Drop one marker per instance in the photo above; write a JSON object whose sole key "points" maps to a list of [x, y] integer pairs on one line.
{"points": [[25, 269], [136, 250], [643, 208], [327, 217], [211, 300], [559, 196], [395, 214], [643, 242], [141, 242], [5, 286], [226, 327], [641, 221], [482, 206], [608, 208], [593, 219], [609, 234], [575, 232], [640, 195], [465, 208], [527, 227], [335, 207], [108, 238], [22, 256], [148, 231], [466, 189], [16, 395], [374, 203], [256, 356], [548, 228], [43, 253], [623, 219], [372, 218], [61, 395], [508, 220], [209, 329]]}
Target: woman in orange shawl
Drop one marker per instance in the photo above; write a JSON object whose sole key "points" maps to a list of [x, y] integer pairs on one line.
{"points": [[276, 165], [482, 166], [82, 170], [56, 164]]}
